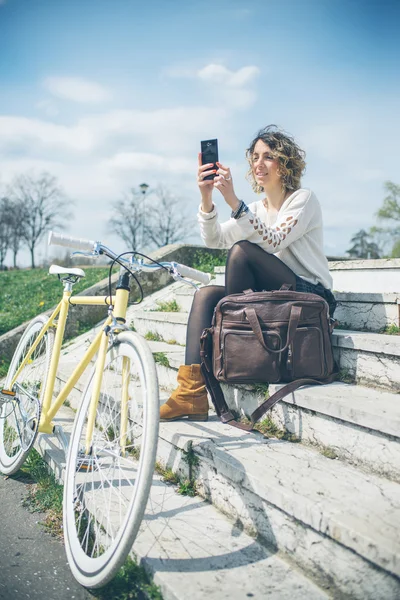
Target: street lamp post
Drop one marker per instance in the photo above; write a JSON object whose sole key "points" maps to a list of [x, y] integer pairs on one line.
{"points": [[143, 188]]}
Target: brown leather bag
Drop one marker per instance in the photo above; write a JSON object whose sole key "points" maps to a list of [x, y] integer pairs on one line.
{"points": [[267, 337]]}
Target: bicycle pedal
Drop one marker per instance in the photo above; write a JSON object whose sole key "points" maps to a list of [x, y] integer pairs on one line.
{"points": [[6, 395], [85, 464]]}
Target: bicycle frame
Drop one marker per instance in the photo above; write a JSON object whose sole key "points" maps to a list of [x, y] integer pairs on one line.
{"points": [[99, 344]]}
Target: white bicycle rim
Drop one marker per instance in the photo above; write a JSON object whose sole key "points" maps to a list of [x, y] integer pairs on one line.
{"points": [[33, 377], [105, 498]]}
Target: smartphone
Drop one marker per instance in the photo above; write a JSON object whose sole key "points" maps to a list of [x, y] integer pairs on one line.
{"points": [[209, 154]]}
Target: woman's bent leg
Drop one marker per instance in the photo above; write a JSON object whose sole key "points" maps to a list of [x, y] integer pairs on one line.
{"points": [[250, 267], [204, 302], [189, 399]]}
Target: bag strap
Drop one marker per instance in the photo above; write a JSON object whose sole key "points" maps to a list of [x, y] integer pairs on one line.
{"points": [[288, 389], [294, 319]]}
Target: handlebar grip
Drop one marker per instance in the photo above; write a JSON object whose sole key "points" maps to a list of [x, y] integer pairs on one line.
{"points": [[59, 239], [193, 274]]}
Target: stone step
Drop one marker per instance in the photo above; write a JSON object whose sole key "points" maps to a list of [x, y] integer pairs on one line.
{"points": [[187, 544], [329, 517], [371, 312], [214, 443], [184, 297], [370, 358], [359, 276], [353, 423]]}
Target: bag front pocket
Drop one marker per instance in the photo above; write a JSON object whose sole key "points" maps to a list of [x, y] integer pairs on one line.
{"points": [[308, 359], [245, 360]]}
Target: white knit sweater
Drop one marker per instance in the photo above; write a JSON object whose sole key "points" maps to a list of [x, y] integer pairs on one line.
{"points": [[296, 236]]}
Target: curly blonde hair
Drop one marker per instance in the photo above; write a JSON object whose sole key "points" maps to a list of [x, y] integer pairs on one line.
{"points": [[290, 156]]}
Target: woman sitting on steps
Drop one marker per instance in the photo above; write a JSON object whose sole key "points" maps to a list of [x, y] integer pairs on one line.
{"points": [[276, 240]]}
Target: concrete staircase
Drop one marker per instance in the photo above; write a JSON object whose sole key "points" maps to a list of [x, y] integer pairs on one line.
{"points": [[312, 512]]}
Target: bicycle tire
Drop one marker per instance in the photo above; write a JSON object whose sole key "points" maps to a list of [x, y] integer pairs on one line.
{"points": [[19, 417], [106, 489]]}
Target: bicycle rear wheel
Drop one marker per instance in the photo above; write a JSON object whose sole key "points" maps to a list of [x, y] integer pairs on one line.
{"points": [[108, 480], [19, 417]]}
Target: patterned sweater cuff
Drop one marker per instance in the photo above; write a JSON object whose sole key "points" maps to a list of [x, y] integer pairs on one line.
{"points": [[204, 216]]}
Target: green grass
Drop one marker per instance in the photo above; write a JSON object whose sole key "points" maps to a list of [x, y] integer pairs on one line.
{"points": [[4, 364], [45, 494], [206, 262], [328, 452], [153, 336], [346, 376], [170, 306], [268, 428], [26, 293], [130, 583], [262, 389], [167, 474], [392, 330], [161, 358]]}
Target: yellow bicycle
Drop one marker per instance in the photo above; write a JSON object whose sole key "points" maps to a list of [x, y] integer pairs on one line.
{"points": [[112, 447]]}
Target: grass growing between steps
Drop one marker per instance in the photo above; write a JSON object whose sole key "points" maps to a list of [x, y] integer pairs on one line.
{"points": [[268, 428], [170, 306], [161, 358], [186, 487], [154, 336], [391, 330], [346, 376], [46, 495]]}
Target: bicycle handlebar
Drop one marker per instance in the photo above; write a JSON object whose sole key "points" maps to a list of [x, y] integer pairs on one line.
{"points": [[59, 239], [185, 271]]}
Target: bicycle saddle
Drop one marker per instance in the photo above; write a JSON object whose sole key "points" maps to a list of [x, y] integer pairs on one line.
{"points": [[56, 270]]}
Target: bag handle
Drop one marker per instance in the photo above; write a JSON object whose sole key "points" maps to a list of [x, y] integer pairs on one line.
{"points": [[294, 319]]}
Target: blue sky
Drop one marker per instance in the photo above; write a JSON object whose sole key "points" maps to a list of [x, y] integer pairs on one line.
{"points": [[106, 95]]}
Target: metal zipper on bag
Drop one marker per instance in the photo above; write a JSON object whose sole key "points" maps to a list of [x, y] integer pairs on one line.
{"points": [[289, 361]]}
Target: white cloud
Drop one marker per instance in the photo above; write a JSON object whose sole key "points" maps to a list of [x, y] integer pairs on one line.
{"points": [[33, 136], [154, 163], [77, 90], [220, 75], [232, 89], [164, 131]]}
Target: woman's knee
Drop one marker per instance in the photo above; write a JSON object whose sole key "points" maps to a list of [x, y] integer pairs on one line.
{"points": [[208, 295], [239, 251], [240, 247]]}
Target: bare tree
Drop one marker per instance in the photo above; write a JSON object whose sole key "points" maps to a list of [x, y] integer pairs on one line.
{"points": [[128, 220], [167, 224], [44, 207], [17, 223], [5, 230]]}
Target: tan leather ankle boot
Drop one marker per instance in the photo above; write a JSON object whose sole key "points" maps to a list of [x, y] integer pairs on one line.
{"points": [[189, 399]]}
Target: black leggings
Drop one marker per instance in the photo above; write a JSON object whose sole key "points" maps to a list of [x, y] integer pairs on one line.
{"points": [[248, 267]]}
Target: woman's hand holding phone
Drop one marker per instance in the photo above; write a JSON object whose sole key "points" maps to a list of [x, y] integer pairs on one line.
{"points": [[223, 182], [206, 186], [208, 178]]}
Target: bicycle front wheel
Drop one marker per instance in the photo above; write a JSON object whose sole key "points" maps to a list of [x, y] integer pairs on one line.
{"points": [[19, 417], [109, 470]]}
